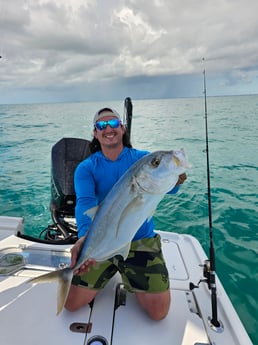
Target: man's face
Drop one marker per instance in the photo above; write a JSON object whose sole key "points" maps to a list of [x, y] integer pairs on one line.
{"points": [[110, 137]]}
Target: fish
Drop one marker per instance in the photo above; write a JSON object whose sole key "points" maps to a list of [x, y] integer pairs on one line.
{"points": [[131, 201]]}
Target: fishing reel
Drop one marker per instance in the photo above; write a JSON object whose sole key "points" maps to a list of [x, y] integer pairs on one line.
{"points": [[207, 275]]}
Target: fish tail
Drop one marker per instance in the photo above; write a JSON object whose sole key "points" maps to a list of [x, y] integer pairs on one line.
{"points": [[64, 278]]}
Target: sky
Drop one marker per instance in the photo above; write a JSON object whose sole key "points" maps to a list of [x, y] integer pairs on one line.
{"points": [[91, 50]]}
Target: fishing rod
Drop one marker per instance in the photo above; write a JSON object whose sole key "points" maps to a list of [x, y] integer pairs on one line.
{"points": [[209, 270], [210, 267], [128, 114]]}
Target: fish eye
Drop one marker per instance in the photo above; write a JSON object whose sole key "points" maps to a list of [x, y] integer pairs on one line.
{"points": [[155, 162]]}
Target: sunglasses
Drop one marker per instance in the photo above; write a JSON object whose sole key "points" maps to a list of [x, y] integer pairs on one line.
{"points": [[113, 123]]}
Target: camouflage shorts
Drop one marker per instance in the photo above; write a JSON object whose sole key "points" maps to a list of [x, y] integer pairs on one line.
{"points": [[143, 270]]}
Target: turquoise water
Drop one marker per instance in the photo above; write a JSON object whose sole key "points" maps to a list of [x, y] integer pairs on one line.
{"points": [[28, 132]]}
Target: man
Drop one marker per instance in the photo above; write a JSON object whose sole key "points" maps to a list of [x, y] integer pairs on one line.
{"points": [[144, 272]]}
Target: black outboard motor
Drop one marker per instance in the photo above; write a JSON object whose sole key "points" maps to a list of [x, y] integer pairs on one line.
{"points": [[66, 155]]}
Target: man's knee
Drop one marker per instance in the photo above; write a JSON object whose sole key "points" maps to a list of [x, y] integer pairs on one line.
{"points": [[156, 305], [79, 297]]}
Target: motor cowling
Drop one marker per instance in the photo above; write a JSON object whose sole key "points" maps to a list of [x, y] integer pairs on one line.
{"points": [[66, 154]]}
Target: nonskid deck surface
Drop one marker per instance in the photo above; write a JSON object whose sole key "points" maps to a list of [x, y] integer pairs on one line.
{"points": [[28, 313]]}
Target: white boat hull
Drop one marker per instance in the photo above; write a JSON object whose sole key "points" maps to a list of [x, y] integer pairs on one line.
{"points": [[28, 312]]}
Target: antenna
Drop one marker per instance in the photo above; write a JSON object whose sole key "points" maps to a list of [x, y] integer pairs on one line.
{"points": [[209, 267]]}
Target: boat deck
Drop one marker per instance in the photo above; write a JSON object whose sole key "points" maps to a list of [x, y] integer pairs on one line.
{"points": [[28, 312]]}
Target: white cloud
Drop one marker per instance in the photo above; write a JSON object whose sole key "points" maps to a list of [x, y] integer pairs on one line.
{"points": [[78, 42]]}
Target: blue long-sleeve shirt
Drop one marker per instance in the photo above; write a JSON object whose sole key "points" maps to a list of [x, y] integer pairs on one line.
{"points": [[94, 177]]}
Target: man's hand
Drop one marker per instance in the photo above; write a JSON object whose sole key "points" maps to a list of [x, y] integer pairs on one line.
{"points": [[85, 267], [181, 179]]}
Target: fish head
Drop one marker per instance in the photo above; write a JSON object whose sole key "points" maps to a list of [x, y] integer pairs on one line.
{"points": [[160, 171], [180, 159]]}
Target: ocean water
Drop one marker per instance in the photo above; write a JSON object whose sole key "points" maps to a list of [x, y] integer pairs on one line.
{"points": [[28, 132]]}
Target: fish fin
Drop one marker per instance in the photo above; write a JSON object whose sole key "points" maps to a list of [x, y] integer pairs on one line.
{"points": [[134, 204], [63, 290], [150, 216], [64, 278], [45, 278], [91, 212], [125, 250]]}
